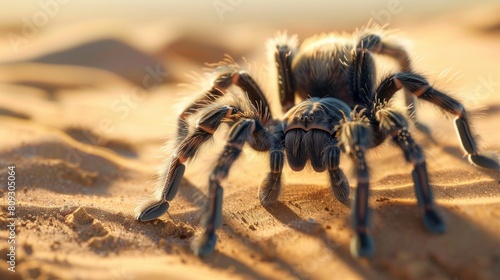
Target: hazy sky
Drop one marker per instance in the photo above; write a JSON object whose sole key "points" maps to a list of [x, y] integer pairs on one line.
{"points": [[221, 11]]}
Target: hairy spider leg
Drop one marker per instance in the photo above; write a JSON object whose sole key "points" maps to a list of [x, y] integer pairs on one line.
{"points": [[378, 45], [167, 189], [421, 88], [283, 58], [355, 137], [394, 124], [219, 88], [270, 187], [338, 181], [362, 78], [243, 131]]}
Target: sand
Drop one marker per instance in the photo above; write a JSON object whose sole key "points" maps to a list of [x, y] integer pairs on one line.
{"points": [[85, 134]]}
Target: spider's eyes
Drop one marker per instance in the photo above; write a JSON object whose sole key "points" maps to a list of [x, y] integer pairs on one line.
{"points": [[234, 111]]}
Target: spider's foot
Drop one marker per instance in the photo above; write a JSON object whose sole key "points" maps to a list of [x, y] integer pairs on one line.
{"points": [[362, 245], [270, 189], [484, 162], [341, 188], [203, 245], [433, 222], [151, 210]]}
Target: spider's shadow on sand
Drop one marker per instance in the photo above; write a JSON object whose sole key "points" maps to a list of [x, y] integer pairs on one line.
{"points": [[278, 210], [458, 154], [408, 237]]}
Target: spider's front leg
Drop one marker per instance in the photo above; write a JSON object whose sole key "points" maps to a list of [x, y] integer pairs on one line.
{"points": [[168, 184], [377, 44], [284, 48], [421, 88], [232, 76], [338, 181], [246, 130], [393, 123], [355, 136], [270, 188]]}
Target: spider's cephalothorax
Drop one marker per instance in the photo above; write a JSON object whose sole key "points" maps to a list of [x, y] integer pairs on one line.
{"points": [[343, 110]]}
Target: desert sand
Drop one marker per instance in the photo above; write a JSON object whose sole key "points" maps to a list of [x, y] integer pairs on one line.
{"points": [[84, 121]]}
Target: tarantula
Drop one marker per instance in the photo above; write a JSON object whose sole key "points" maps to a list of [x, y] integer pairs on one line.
{"points": [[343, 109]]}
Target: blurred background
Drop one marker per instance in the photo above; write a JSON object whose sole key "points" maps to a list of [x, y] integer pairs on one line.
{"points": [[68, 49], [278, 14]]}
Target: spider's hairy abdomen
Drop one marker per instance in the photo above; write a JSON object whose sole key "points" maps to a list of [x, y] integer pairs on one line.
{"points": [[322, 64]]}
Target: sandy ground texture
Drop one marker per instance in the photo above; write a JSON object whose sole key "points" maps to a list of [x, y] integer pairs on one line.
{"points": [[84, 123]]}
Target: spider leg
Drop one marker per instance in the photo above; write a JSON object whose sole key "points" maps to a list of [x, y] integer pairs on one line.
{"points": [[420, 87], [167, 186], [283, 56], [241, 132], [219, 88], [356, 139], [270, 188], [361, 77], [393, 123], [378, 45], [338, 180]]}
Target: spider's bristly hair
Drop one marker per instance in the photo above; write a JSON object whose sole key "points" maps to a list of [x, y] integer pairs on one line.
{"points": [[390, 118], [227, 63], [356, 133]]}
